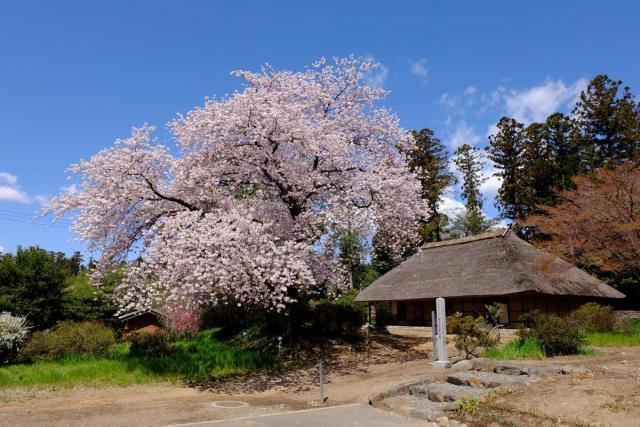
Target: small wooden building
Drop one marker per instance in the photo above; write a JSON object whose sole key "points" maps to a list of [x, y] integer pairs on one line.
{"points": [[494, 267], [142, 321]]}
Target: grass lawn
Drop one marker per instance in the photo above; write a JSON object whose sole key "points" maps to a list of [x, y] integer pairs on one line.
{"points": [[613, 339], [201, 359], [516, 349], [527, 349]]}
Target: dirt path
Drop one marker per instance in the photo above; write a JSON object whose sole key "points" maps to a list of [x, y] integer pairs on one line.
{"points": [[608, 395], [351, 377]]}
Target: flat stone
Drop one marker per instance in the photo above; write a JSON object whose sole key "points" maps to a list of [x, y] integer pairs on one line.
{"points": [[575, 369], [446, 392], [415, 407], [480, 379], [510, 370], [463, 365]]}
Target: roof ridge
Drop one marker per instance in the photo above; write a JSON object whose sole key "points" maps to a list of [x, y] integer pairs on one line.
{"points": [[498, 232]]}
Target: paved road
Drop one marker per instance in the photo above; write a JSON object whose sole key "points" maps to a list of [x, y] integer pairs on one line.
{"points": [[338, 416]]}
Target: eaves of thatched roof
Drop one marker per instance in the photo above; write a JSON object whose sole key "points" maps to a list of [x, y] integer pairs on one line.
{"points": [[496, 263]]}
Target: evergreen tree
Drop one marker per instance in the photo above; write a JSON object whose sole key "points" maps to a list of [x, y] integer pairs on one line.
{"points": [[608, 123], [505, 149], [352, 253], [467, 160], [429, 160], [472, 221], [558, 135], [538, 186]]}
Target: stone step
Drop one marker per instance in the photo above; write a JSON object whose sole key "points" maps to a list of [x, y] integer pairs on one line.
{"points": [[417, 407], [446, 392], [480, 379]]}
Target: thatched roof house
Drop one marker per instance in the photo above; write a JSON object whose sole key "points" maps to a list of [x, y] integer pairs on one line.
{"points": [[492, 267]]}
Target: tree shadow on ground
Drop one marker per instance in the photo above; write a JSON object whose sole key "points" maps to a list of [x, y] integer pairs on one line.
{"points": [[341, 357]]}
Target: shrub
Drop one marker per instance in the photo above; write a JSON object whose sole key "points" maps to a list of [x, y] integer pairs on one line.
{"points": [[471, 333], [184, 323], [384, 316], [592, 317], [556, 336], [333, 318], [13, 332], [70, 339], [149, 344]]}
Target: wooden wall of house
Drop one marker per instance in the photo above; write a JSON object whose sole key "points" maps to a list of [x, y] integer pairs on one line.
{"points": [[418, 312]]}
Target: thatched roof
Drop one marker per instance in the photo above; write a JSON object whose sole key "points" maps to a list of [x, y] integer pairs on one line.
{"points": [[490, 264]]}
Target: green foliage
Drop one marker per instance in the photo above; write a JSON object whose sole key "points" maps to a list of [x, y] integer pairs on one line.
{"points": [[32, 284], [494, 311], [352, 251], [149, 344], [341, 317], [429, 160], [528, 348], [593, 317], [467, 160], [468, 405], [627, 333], [83, 300], [557, 336], [471, 333], [505, 148], [69, 339], [205, 359], [383, 318], [201, 359]]}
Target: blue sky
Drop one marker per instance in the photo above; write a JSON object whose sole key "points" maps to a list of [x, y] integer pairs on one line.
{"points": [[76, 75]]}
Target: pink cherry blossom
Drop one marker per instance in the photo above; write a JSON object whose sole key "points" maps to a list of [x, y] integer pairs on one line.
{"points": [[248, 210]]}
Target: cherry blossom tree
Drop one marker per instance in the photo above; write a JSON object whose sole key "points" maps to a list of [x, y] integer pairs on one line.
{"points": [[248, 209]]}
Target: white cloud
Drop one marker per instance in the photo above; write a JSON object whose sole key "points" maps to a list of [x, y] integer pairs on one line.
{"points": [[419, 69], [471, 90], [463, 134], [450, 206], [538, 102], [378, 75], [10, 191], [1, 249]]}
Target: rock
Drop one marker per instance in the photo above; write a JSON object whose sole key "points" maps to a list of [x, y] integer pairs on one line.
{"points": [[419, 390], [481, 379], [443, 421], [463, 365], [575, 369], [510, 370], [545, 371], [445, 392]]}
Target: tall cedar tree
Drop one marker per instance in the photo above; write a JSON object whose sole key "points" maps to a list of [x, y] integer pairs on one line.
{"points": [[607, 121], [537, 170], [468, 162], [558, 133], [429, 160], [505, 149]]}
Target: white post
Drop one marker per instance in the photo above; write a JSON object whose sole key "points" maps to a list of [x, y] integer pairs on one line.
{"points": [[441, 324]]}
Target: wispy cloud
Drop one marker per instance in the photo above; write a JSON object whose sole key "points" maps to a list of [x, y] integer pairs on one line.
{"points": [[10, 191], [463, 134], [538, 102], [419, 69], [1, 249], [378, 75]]}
